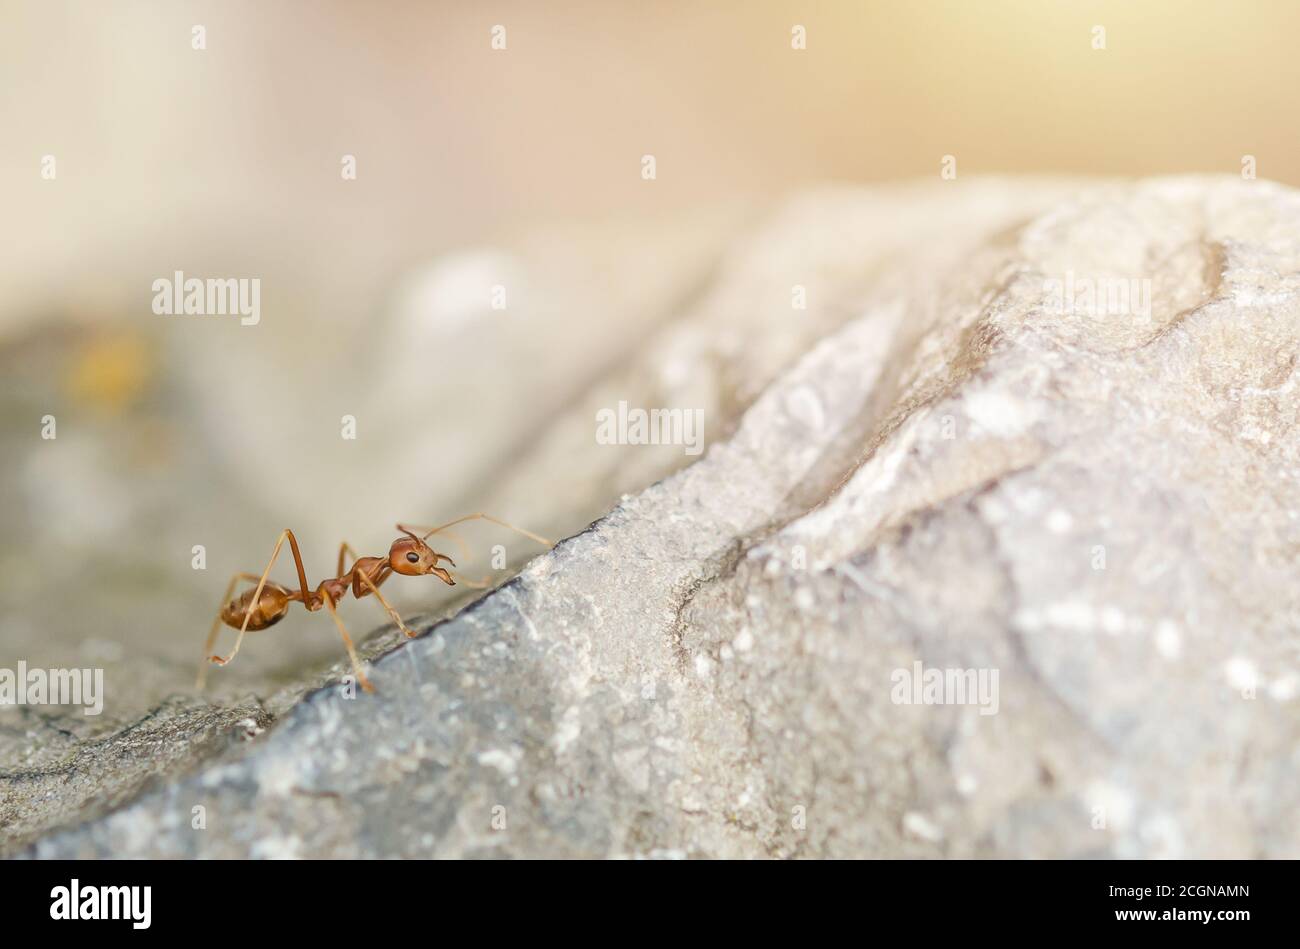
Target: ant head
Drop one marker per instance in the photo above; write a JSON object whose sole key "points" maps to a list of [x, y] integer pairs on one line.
{"points": [[412, 557]]}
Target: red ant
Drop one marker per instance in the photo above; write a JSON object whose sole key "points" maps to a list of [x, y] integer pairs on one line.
{"points": [[266, 605]]}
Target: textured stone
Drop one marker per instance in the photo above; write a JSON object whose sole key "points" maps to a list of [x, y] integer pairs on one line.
{"points": [[1101, 506]]}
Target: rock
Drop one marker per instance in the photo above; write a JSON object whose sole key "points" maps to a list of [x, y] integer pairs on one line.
{"points": [[1087, 512]]}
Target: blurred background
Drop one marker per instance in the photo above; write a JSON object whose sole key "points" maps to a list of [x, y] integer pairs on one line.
{"points": [[519, 168]]}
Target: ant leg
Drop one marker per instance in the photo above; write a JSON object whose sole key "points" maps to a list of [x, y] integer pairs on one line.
{"points": [[460, 545], [472, 584], [482, 583], [477, 517], [374, 588], [216, 628], [347, 641], [345, 548], [261, 584]]}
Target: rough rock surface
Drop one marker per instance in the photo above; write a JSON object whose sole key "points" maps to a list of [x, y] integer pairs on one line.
{"points": [[1098, 502]]}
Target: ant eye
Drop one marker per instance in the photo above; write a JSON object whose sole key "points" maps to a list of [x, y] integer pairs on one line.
{"points": [[413, 557]]}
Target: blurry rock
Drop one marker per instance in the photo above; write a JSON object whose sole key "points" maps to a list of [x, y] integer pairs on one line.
{"points": [[181, 437], [1091, 507]]}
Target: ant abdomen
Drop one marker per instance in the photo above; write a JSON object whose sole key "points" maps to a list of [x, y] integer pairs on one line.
{"points": [[271, 608]]}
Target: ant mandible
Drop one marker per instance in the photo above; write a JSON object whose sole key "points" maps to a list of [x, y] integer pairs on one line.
{"points": [[269, 602]]}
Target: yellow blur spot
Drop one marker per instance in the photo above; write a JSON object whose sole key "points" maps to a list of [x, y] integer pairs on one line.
{"points": [[111, 372]]}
